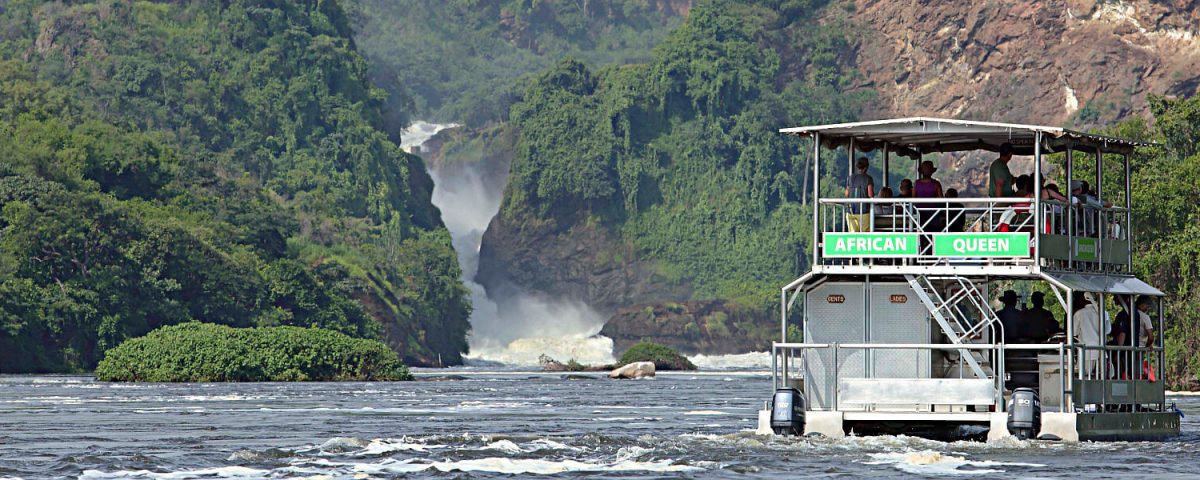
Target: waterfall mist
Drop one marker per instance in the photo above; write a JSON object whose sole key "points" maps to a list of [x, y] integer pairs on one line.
{"points": [[517, 326]]}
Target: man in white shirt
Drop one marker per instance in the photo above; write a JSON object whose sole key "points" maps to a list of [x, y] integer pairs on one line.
{"points": [[1090, 330]]}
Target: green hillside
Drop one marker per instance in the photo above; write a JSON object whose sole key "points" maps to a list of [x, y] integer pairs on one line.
{"points": [[223, 162]]}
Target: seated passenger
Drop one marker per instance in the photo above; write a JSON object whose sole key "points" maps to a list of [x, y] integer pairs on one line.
{"points": [[958, 217], [884, 212], [860, 185], [906, 188]]}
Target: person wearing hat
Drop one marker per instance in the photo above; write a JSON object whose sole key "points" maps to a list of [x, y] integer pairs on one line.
{"points": [[1042, 324], [1000, 178], [1090, 328], [1010, 317], [861, 185]]}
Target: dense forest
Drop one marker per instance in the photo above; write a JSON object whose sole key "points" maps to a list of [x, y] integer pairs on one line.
{"points": [[226, 162]]}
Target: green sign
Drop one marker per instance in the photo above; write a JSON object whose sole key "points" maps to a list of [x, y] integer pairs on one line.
{"points": [[871, 244], [981, 244], [1085, 249]]}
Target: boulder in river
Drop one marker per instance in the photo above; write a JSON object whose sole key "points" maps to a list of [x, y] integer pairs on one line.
{"points": [[634, 370]]}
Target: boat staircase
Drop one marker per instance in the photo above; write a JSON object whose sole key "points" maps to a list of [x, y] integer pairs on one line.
{"points": [[962, 313]]}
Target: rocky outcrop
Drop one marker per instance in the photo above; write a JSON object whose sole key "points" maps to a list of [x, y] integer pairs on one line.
{"points": [[1049, 62], [584, 262], [711, 327], [634, 370]]}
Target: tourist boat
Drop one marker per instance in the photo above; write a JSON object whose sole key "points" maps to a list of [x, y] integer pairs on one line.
{"points": [[899, 331]]}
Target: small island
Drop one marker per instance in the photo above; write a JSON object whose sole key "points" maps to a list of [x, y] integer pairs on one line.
{"points": [[205, 352]]}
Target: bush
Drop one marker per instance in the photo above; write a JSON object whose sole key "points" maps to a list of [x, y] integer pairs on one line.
{"points": [[205, 352], [664, 358]]}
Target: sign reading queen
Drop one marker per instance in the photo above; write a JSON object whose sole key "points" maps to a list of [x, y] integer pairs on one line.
{"points": [[948, 245]]}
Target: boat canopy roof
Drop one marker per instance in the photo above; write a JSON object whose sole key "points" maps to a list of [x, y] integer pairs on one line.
{"points": [[915, 136], [1101, 283]]}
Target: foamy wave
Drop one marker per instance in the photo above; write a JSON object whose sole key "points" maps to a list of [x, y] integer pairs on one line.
{"points": [[594, 350], [929, 462], [512, 466], [751, 360], [221, 472]]}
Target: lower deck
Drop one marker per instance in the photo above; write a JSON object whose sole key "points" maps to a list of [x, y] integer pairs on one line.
{"points": [[912, 354]]}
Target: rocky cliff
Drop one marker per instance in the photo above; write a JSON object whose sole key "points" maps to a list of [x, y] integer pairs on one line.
{"points": [[1049, 62]]}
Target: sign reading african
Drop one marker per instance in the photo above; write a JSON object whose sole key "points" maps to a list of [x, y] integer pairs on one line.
{"points": [[1011, 244], [871, 244]]}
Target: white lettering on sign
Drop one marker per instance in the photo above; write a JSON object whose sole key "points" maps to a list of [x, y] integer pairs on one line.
{"points": [[980, 245], [874, 244]]}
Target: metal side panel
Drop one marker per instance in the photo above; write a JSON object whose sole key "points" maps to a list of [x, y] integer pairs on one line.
{"points": [[910, 391], [835, 313], [898, 316]]}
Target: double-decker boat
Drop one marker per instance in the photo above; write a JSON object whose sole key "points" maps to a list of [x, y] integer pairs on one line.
{"points": [[899, 332]]}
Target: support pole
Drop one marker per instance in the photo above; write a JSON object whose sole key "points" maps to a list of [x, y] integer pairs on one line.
{"points": [[1037, 201], [1070, 213], [1101, 226], [816, 199], [887, 161], [1128, 213]]}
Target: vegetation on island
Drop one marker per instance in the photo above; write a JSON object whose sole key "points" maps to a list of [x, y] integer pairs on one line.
{"points": [[224, 162], [205, 352], [664, 358]]}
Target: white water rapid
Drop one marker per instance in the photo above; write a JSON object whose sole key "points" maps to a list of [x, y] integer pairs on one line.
{"points": [[526, 325]]}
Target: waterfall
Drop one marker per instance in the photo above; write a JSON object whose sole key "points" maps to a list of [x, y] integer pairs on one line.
{"points": [[525, 325]]}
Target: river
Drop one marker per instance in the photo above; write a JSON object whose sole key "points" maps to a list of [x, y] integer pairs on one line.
{"points": [[493, 423]]}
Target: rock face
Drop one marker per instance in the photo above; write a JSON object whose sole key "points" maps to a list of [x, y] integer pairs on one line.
{"points": [[1028, 61], [584, 262], [713, 327], [634, 370]]}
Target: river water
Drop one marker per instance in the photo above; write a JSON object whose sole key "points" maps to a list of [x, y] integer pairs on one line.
{"points": [[493, 424]]}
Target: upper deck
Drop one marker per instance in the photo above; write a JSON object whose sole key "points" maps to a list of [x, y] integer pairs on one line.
{"points": [[1019, 236]]}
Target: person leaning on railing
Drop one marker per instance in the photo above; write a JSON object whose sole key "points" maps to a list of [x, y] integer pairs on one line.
{"points": [[860, 185]]}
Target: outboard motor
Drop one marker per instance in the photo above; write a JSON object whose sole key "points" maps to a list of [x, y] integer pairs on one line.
{"points": [[1024, 413], [787, 412]]}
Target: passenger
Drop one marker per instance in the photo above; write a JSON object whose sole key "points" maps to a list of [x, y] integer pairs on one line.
{"points": [[932, 217], [1010, 317], [1000, 178], [958, 217], [1051, 192], [1008, 218], [861, 185], [906, 188], [1090, 330], [925, 186], [1121, 336], [1143, 334], [1042, 324], [884, 212]]}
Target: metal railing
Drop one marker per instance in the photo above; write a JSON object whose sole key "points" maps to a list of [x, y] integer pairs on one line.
{"points": [[1106, 364], [1089, 238], [784, 355], [1096, 225]]}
